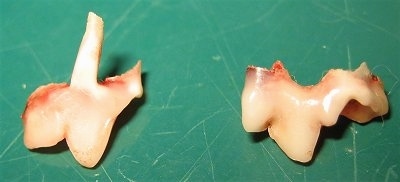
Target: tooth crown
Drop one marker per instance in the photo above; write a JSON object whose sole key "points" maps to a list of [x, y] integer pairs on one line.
{"points": [[293, 114]]}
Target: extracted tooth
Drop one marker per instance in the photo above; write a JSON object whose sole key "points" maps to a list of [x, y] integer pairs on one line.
{"points": [[83, 112], [294, 114]]}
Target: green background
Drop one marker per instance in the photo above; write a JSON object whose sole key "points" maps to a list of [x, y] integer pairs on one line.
{"points": [[188, 125]]}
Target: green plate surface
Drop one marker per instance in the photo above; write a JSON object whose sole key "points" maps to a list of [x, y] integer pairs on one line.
{"points": [[188, 125]]}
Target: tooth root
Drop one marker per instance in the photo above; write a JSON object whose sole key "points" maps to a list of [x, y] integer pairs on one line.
{"points": [[84, 75], [369, 100], [87, 140], [296, 138], [130, 82], [256, 112], [39, 115]]}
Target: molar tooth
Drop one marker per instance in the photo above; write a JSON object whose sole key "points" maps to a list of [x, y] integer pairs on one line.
{"points": [[83, 112], [272, 101]]}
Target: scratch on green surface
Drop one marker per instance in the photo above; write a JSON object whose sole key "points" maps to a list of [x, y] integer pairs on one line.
{"points": [[276, 163]]}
